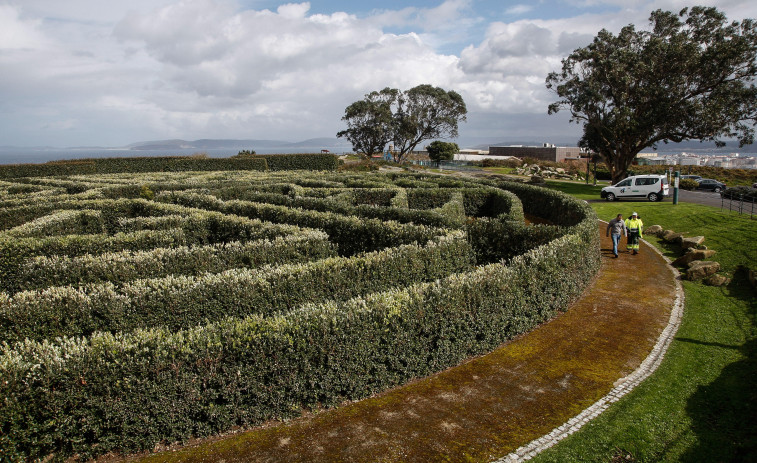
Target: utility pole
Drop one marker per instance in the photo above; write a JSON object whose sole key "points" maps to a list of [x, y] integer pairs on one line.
{"points": [[675, 187]]}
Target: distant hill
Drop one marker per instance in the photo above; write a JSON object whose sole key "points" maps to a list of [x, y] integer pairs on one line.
{"points": [[208, 144]]}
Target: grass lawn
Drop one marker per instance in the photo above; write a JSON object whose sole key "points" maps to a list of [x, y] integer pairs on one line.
{"points": [[701, 403]]}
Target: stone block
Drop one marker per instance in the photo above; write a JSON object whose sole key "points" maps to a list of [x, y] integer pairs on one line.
{"points": [[692, 242], [699, 270], [672, 237], [653, 230], [692, 255], [716, 280]]}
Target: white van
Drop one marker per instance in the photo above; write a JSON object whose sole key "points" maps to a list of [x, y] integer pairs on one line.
{"points": [[651, 187]]}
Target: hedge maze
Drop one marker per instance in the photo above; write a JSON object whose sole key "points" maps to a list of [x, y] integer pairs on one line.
{"points": [[147, 307]]}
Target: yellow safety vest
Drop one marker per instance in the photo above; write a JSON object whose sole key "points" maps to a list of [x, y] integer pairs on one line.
{"points": [[634, 225]]}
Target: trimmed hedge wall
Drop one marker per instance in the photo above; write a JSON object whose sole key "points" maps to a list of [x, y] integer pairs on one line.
{"points": [[179, 302], [132, 165], [198, 228], [186, 356], [351, 234], [68, 397], [43, 271], [300, 161]]}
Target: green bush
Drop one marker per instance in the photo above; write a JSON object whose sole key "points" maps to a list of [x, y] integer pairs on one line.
{"points": [[166, 359], [119, 267], [739, 193], [171, 386], [301, 161], [179, 302], [688, 184], [137, 164], [351, 234]]}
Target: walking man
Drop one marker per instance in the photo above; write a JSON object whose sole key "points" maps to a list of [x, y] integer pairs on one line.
{"points": [[615, 228], [634, 228]]}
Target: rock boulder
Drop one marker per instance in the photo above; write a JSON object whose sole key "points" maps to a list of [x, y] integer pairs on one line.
{"points": [[699, 270], [716, 280], [653, 230], [672, 237], [692, 242], [692, 255]]}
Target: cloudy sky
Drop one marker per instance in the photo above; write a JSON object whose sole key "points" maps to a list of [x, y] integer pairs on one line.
{"points": [[108, 73]]}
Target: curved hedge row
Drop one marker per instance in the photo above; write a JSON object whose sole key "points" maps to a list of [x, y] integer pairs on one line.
{"points": [[194, 355], [45, 271], [179, 302]]}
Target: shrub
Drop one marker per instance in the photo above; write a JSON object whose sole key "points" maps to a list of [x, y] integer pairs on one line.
{"points": [[165, 359], [179, 302], [171, 386], [119, 267], [139, 164], [301, 161], [688, 184]]}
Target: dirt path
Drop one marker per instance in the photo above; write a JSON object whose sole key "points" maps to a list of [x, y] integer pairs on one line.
{"points": [[491, 405]]}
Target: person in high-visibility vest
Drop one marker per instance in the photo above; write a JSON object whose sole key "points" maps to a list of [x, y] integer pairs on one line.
{"points": [[634, 228]]}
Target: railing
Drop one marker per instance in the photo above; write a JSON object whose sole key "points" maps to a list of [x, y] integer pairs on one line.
{"points": [[741, 204], [447, 165]]}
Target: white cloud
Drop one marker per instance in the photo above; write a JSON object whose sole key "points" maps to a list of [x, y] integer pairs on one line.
{"points": [[89, 72], [18, 34], [517, 10]]}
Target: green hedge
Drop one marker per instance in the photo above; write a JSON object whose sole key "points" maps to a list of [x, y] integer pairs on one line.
{"points": [[45, 271], [224, 365], [61, 223], [127, 392], [15, 251], [133, 165], [179, 302], [351, 234], [300, 161], [200, 228]]}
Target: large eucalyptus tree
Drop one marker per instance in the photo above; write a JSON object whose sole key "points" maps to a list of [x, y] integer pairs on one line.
{"points": [[691, 76]]}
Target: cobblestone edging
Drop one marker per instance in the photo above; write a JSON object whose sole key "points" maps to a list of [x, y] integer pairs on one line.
{"points": [[623, 387]]}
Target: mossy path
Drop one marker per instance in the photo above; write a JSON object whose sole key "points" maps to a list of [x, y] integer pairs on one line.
{"points": [[490, 405]]}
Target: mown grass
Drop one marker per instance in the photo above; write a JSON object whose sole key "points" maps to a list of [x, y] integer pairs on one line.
{"points": [[700, 404]]}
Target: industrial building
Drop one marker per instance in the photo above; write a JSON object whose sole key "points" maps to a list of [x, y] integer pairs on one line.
{"points": [[546, 152]]}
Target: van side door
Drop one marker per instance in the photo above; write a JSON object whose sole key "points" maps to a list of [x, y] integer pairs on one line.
{"points": [[623, 188]]}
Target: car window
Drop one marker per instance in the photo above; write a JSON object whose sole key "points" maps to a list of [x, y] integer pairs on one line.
{"points": [[626, 182], [646, 181]]}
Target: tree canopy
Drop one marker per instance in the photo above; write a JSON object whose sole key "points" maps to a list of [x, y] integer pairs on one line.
{"points": [[690, 77], [402, 118], [441, 150], [370, 121]]}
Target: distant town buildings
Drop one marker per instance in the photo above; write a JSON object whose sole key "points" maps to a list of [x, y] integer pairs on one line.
{"points": [[728, 161]]}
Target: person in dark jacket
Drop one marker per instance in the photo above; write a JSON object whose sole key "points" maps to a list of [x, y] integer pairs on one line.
{"points": [[615, 228]]}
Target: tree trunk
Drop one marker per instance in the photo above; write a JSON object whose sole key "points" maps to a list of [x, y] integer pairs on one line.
{"points": [[619, 166]]}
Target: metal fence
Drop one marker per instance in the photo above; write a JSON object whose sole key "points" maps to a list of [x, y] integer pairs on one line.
{"points": [[447, 165], [740, 204]]}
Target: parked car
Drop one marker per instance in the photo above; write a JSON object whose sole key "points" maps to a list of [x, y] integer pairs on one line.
{"points": [[691, 177], [710, 184], [651, 187]]}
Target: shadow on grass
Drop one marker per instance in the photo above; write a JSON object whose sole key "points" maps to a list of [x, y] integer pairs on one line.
{"points": [[723, 412]]}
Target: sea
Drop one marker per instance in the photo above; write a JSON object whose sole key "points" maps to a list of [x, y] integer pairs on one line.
{"points": [[35, 156]]}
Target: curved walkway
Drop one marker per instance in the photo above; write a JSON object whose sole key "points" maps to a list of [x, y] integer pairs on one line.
{"points": [[504, 406]]}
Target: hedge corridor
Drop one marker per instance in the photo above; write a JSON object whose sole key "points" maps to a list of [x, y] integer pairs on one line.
{"points": [[146, 306]]}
